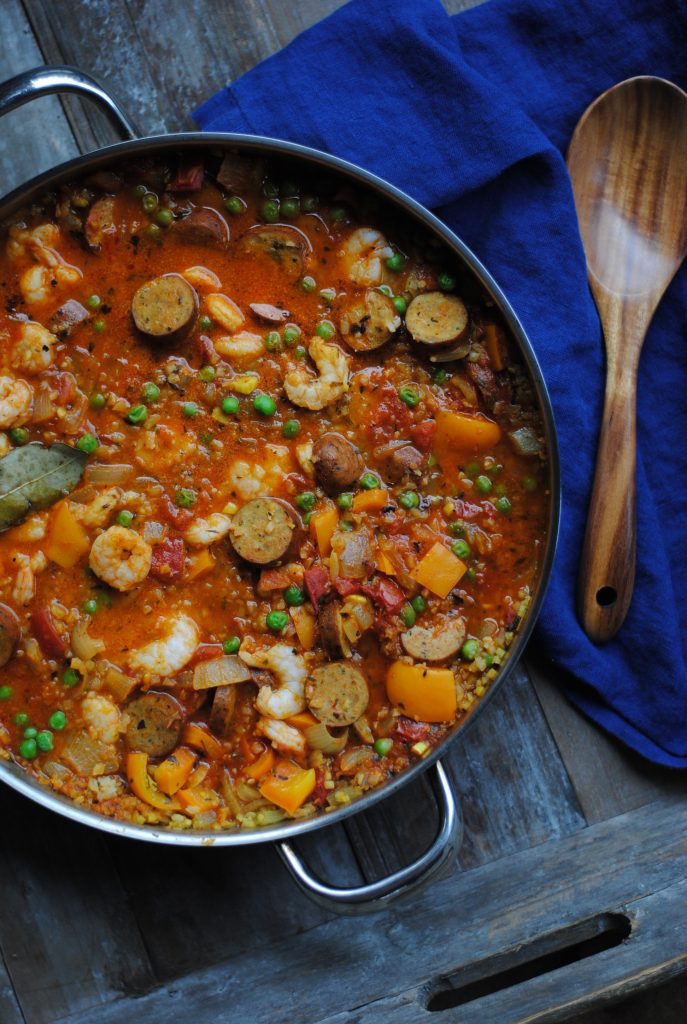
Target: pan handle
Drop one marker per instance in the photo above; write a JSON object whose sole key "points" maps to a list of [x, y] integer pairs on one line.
{"points": [[365, 899], [45, 80]]}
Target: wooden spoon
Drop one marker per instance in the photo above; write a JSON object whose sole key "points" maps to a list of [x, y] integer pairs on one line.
{"points": [[628, 165]]}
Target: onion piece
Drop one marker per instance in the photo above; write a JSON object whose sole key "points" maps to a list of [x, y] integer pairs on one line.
{"points": [[220, 672], [362, 727], [74, 417], [43, 406], [84, 646], [154, 532], [353, 759], [89, 757], [319, 737], [101, 473], [119, 684], [354, 553]]}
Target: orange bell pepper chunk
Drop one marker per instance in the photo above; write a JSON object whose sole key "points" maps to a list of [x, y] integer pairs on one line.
{"points": [[200, 564], [493, 343], [322, 527], [384, 563], [457, 430], [262, 766], [303, 720], [196, 800], [143, 786], [198, 737], [305, 624], [67, 540], [288, 786], [423, 693], [174, 771], [439, 570], [371, 501]]}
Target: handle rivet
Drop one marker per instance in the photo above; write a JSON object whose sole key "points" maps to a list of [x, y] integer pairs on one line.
{"points": [[606, 596]]}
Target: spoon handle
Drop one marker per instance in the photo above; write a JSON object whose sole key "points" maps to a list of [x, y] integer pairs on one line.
{"points": [[607, 568]]}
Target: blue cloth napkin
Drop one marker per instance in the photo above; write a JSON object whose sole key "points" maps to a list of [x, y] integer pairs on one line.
{"points": [[471, 115]]}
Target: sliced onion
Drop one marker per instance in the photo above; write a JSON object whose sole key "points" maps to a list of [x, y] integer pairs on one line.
{"points": [[220, 672], [84, 646], [362, 727], [354, 552], [108, 473], [85, 755], [154, 532], [43, 406], [118, 683], [320, 738], [353, 759], [74, 417], [466, 388], [229, 793]]}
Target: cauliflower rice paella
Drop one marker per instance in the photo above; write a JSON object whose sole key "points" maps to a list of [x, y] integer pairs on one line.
{"points": [[272, 492]]}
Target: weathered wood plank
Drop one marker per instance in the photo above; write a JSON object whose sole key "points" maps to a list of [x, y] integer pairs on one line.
{"points": [[67, 933], [37, 136], [9, 1007], [342, 964]]}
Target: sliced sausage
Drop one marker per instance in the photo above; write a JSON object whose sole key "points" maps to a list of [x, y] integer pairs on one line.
{"points": [[337, 694], [287, 246], [67, 317], [338, 463], [202, 226], [435, 643], [10, 631], [403, 462], [369, 322], [239, 174], [270, 314], [155, 721], [263, 530], [330, 621], [165, 308], [434, 318], [222, 711], [99, 223]]}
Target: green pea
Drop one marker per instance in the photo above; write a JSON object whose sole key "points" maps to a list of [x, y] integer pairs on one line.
{"points": [[44, 741], [439, 376], [471, 575], [5, 692], [338, 213], [328, 295], [345, 501], [70, 677], [149, 202], [407, 615], [28, 749], [164, 218], [309, 204], [461, 549], [369, 481], [231, 645], [207, 374], [503, 505], [150, 392], [30, 733], [346, 525], [270, 189], [469, 650], [294, 596], [97, 400], [488, 660], [19, 436], [325, 330], [409, 499], [125, 518], [276, 621], [90, 606], [400, 305], [137, 414], [483, 484], [383, 746], [529, 483], [409, 395], [21, 718], [456, 528], [307, 516], [264, 405], [230, 405], [190, 409], [396, 262], [300, 352], [291, 428], [385, 290], [87, 443], [139, 191], [472, 469], [204, 322], [308, 284], [235, 205], [306, 501], [290, 208], [419, 604], [154, 230], [291, 334], [57, 721], [93, 302], [446, 282], [185, 497], [269, 211], [273, 341]]}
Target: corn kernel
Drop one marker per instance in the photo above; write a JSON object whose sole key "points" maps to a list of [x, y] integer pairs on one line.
{"points": [[244, 383], [420, 748]]}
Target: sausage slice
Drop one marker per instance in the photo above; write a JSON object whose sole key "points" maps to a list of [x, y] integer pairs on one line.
{"points": [[338, 463], [270, 314], [330, 621], [434, 318], [67, 317], [263, 530], [222, 712], [202, 226], [10, 631], [286, 245], [155, 721], [404, 461], [165, 307], [337, 694], [369, 322], [436, 643], [99, 223]]}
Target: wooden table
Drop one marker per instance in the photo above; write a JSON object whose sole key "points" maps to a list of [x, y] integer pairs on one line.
{"points": [[571, 886]]}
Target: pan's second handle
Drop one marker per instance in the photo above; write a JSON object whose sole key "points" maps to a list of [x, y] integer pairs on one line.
{"points": [[45, 80], [377, 895]]}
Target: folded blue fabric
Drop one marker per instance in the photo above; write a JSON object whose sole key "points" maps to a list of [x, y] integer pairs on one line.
{"points": [[471, 116]]}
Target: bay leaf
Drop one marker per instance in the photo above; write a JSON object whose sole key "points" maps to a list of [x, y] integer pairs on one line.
{"points": [[36, 476]]}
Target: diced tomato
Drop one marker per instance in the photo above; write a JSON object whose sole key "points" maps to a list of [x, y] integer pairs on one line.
{"points": [[385, 592], [390, 415], [317, 583], [65, 387], [204, 652], [466, 509], [412, 732], [168, 559], [346, 587], [319, 793], [423, 435], [49, 640], [273, 579], [511, 619], [179, 517], [188, 178]]}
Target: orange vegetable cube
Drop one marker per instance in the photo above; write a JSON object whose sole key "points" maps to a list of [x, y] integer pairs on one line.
{"points": [[143, 786], [196, 800], [200, 564], [423, 693], [174, 771], [262, 766], [199, 738], [457, 430], [371, 501], [384, 563], [305, 626], [439, 570], [67, 540], [303, 720], [493, 343], [288, 786], [322, 527]]}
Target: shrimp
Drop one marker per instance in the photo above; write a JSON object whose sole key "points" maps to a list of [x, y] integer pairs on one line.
{"points": [[249, 480], [25, 583], [38, 283], [102, 718], [304, 453], [244, 345], [120, 558], [203, 532], [98, 511], [167, 656], [363, 253], [33, 353], [201, 277], [284, 737], [317, 392], [16, 398], [290, 670]]}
